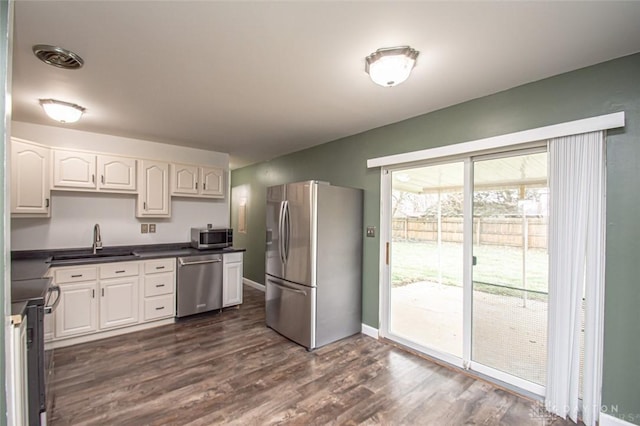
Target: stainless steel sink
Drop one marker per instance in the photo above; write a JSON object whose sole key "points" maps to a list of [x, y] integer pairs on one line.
{"points": [[85, 257]]}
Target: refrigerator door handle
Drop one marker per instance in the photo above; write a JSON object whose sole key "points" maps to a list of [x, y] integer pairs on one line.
{"points": [[287, 221], [281, 232], [285, 287]]}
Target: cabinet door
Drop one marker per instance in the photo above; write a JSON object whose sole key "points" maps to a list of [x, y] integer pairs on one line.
{"points": [[30, 192], [153, 198], [184, 179], [118, 302], [116, 173], [232, 284], [74, 170], [77, 312], [212, 181]]}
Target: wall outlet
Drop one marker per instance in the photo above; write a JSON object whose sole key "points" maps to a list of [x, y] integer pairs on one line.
{"points": [[144, 228], [152, 228]]}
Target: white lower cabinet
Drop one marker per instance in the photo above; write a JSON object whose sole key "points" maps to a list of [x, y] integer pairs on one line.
{"points": [[159, 289], [109, 296], [119, 302], [232, 279], [77, 312], [158, 307]]}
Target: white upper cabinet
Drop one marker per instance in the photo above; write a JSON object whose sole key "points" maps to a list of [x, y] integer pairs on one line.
{"points": [[212, 181], [73, 170], [184, 179], [197, 181], [30, 192], [153, 187], [117, 173], [87, 171]]}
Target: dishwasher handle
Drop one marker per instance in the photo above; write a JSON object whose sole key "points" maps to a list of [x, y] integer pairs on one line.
{"points": [[198, 262]]}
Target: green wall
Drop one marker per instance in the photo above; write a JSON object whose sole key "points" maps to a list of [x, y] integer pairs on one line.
{"points": [[601, 89]]}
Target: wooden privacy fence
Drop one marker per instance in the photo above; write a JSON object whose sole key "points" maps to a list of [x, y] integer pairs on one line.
{"points": [[490, 231]]}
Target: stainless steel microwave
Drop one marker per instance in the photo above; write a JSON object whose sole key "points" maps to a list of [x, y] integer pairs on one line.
{"points": [[210, 238]]}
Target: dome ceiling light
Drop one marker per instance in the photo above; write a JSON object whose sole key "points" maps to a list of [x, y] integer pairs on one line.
{"points": [[64, 112], [390, 66]]}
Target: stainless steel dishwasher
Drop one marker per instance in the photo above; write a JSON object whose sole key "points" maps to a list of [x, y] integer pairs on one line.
{"points": [[199, 284]]}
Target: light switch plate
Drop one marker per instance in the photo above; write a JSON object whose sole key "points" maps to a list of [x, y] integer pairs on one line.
{"points": [[144, 228], [371, 231], [152, 228]]}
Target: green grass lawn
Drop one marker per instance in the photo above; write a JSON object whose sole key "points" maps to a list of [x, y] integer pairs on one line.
{"points": [[418, 261]]}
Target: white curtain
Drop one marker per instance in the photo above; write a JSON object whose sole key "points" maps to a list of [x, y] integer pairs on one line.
{"points": [[576, 269]]}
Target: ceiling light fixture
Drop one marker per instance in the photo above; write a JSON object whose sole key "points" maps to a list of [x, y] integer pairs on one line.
{"points": [[391, 66], [64, 112]]}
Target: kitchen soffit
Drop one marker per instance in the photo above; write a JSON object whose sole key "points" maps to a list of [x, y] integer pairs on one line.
{"points": [[262, 79]]}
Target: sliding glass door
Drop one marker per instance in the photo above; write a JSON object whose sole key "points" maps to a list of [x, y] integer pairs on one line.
{"points": [[510, 283], [468, 264], [427, 257]]}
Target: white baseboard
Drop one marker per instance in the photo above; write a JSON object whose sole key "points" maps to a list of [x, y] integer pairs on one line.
{"points": [[61, 343], [609, 420], [253, 284], [367, 330]]}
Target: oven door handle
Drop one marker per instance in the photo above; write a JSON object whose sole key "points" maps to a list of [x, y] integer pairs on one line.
{"points": [[50, 309], [198, 262]]}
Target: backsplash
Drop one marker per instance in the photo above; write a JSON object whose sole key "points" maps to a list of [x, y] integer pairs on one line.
{"points": [[73, 215]]}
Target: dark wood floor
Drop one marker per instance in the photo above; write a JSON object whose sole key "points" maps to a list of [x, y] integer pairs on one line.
{"points": [[230, 368]]}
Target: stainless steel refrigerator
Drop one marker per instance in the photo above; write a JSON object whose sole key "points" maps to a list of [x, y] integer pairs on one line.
{"points": [[314, 262]]}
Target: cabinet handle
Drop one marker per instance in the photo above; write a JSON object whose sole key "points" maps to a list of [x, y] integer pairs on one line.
{"points": [[144, 205], [204, 186], [93, 178], [102, 178], [93, 294], [46, 202], [159, 285], [120, 272], [159, 267], [160, 308], [76, 276], [196, 185], [103, 292]]}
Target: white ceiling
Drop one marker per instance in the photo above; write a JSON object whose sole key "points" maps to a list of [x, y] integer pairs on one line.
{"points": [[261, 79]]}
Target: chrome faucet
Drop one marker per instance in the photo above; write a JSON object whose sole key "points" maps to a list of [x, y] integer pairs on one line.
{"points": [[97, 239]]}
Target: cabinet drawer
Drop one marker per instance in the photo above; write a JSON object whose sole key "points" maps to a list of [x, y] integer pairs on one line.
{"points": [[157, 284], [159, 307], [160, 265], [232, 257], [75, 275], [114, 270]]}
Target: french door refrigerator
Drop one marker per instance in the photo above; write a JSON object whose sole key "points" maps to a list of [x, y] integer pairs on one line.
{"points": [[314, 262]]}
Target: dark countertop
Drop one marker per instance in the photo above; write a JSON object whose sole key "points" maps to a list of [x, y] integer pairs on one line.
{"points": [[32, 291], [28, 267]]}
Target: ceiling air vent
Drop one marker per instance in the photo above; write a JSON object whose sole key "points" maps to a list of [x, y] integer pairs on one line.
{"points": [[58, 57]]}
